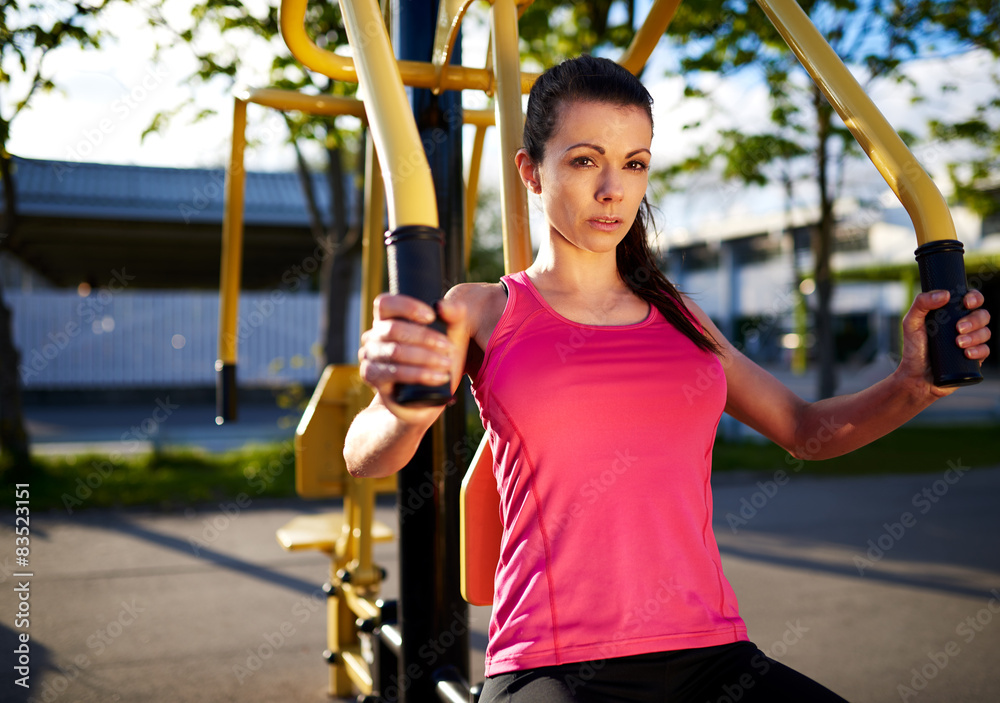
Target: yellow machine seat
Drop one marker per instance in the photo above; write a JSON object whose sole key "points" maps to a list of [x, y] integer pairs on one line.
{"points": [[322, 532]]}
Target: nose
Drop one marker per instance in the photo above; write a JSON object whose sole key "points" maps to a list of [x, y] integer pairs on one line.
{"points": [[611, 189]]}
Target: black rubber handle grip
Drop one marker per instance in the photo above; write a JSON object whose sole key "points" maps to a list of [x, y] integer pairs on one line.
{"points": [[942, 267], [225, 392], [415, 257]]}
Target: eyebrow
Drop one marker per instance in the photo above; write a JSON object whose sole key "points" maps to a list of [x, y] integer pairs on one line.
{"points": [[600, 149]]}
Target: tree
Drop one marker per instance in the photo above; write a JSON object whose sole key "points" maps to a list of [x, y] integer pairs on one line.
{"points": [[971, 25], [251, 47], [28, 34], [553, 31], [804, 139]]}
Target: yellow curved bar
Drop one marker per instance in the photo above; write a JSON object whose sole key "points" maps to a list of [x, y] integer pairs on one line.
{"points": [[472, 191], [331, 105], [291, 20], [406, 173], [372, 244], [898, 166], [479, 118], [291, 24], [510, 121], [450, 14], [232, 238], [479, 522], [648, 35]]}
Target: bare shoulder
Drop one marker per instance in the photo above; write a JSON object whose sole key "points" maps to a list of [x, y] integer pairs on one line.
{"points": [[700, 314], [710, 327], [479, 298], [485, 303]]}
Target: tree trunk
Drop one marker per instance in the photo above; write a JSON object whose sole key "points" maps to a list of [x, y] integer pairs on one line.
{"points": [[305, 178], [338, 247], [337, 268], [15, 454], [822, 246]]}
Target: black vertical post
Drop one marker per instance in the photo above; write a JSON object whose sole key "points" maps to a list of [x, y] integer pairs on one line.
{"points": [[433, 617]]}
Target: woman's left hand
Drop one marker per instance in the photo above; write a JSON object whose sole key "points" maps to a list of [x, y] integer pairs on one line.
{"points": [[973, 334]]}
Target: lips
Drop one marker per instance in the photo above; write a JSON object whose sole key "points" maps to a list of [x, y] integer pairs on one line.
{"points": [[606, 224]]}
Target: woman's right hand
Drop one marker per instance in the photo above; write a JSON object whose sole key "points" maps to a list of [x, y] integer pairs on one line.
{"points": [[401, 348]]}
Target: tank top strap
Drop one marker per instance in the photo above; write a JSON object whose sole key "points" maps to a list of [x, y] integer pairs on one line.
{"points": [[521, 306], [519, 282]]}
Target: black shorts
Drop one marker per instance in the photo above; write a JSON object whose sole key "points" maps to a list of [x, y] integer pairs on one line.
{"points": [[729, 673]]}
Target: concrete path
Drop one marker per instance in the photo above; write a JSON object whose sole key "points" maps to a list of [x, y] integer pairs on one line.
{"points": [[886, 589]]}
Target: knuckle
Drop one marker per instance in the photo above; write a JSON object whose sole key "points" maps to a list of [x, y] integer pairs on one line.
{"points": [[367, 372], [393, 351], [378, 305], [390, 329]]}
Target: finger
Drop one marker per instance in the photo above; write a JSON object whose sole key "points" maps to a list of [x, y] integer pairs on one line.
{"points": [[980, 351], [975, 320], [383, 376], [932, 300], [387, 306], [923, 304], [973, 299], [451, 311], [980, 335], [407, 333], [405, 354]]}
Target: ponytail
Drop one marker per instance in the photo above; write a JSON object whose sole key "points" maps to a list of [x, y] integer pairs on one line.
{"points": [[637, 268]]}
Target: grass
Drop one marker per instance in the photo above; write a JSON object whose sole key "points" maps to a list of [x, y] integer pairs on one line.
{"points": [[906, 450], [167, 479], [177, 478]]}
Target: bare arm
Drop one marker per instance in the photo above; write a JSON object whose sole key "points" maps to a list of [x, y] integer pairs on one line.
{"points": [[400, 349], [835, 426], [379, 443]]}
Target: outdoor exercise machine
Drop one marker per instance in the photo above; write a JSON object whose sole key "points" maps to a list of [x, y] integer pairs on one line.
{"points": [[449, 539]]}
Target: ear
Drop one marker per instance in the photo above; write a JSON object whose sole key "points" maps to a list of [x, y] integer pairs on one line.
{"points": [[528, 171]]}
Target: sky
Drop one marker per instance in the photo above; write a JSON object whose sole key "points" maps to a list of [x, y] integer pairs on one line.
{"points": [[108, 97]]}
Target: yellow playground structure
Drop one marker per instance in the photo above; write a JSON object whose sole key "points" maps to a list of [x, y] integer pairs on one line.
{"points": [[455, 536]]}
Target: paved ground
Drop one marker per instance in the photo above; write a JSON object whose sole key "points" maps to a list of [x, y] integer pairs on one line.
{"points": [[204, 606], [886, 589]]}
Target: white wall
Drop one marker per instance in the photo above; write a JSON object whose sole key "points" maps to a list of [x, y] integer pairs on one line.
{"points": [[149, 338]]}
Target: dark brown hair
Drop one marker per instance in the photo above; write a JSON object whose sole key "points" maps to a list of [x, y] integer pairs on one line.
{"points": [[593, 79]]}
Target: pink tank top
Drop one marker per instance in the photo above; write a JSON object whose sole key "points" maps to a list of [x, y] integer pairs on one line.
{"points": [[602, 438]]}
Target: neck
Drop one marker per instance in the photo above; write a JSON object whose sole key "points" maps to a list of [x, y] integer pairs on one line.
{"points": [[572, 270]]}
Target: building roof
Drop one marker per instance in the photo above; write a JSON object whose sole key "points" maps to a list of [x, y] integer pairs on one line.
{"points": [[142, 193], [83, 221]]}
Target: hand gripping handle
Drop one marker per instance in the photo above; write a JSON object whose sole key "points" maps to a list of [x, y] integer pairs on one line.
{"points": [[942, 267], [415, 255]]}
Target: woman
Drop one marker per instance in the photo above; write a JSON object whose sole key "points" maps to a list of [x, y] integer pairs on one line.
{"points": [[583, 368]]}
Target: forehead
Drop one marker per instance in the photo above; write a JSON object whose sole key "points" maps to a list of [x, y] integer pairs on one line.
{"points": [[609, 125]]}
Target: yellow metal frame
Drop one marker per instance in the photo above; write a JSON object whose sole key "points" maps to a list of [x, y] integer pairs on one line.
{"points": [[397, 141], [339, 395], [407, 185], [413, 73], [235, 188]]}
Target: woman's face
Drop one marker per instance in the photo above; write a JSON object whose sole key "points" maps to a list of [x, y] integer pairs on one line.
{"points": [[594, 173]]}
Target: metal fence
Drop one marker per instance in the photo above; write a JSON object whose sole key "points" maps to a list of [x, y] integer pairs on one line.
{"points": [[139, 339]]}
